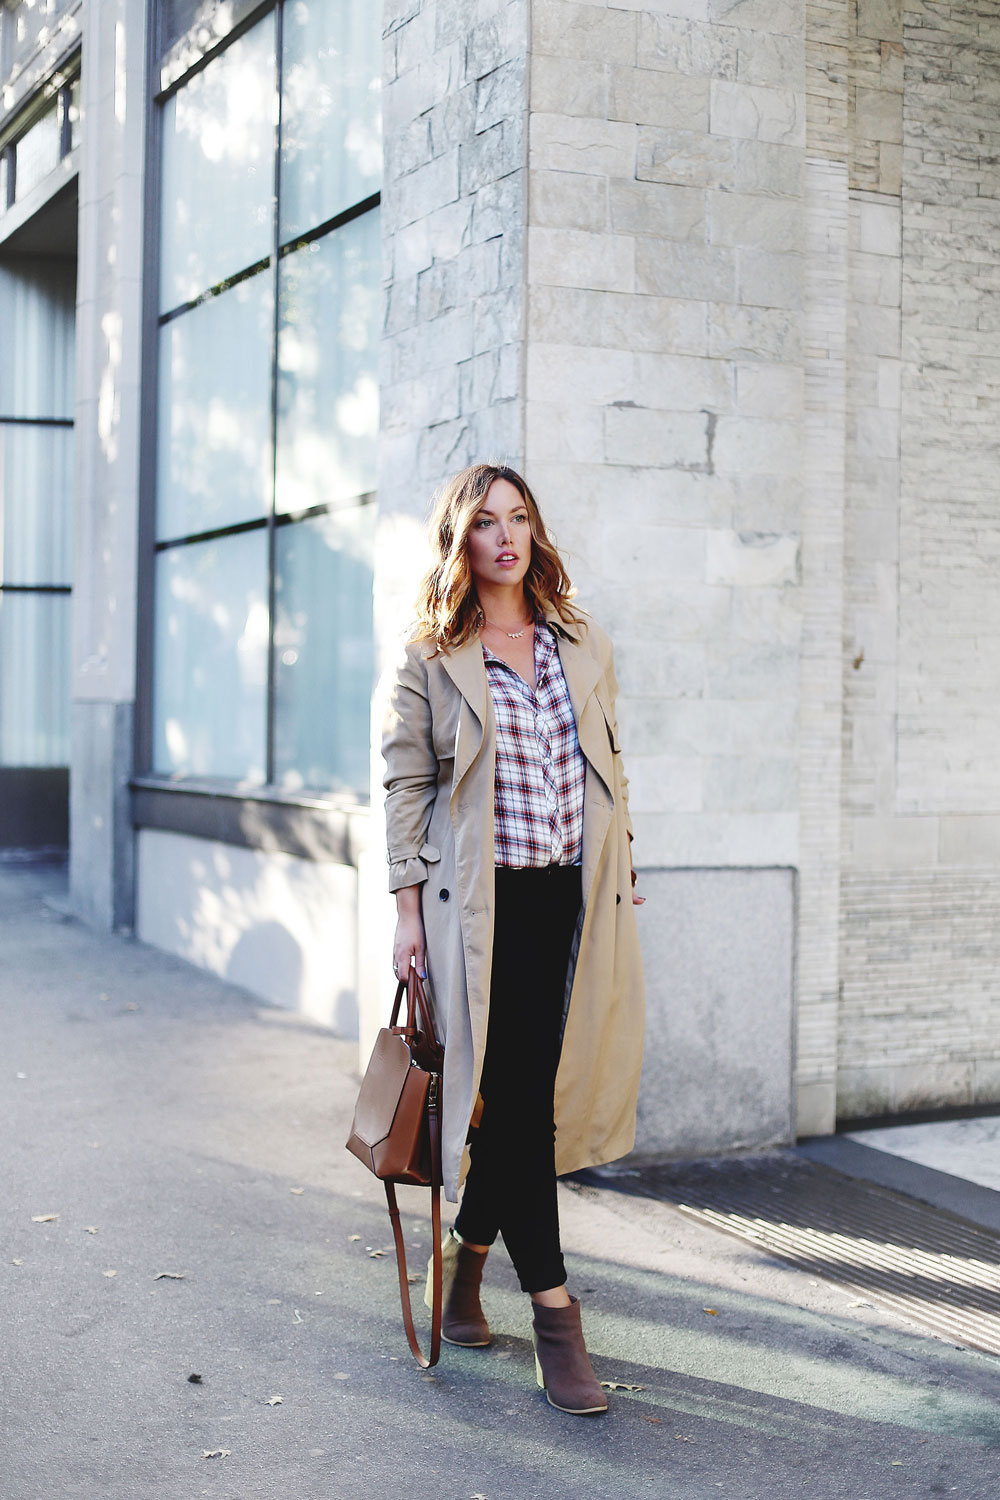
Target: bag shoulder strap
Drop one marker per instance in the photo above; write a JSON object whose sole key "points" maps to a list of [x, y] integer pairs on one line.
{"points": [[434, 1122]]}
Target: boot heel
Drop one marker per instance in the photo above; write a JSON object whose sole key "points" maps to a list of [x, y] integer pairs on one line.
{"points": [[539, 1377]]}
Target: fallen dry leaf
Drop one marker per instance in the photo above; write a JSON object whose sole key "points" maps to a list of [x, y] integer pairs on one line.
{"points": [[377, 1254], [342, 1375], [170, 1276], [91, 1229], [17, 1262], [216, 1452], [131, 1005], [679, 1439], [275, 1401], [297, 1316], [410, 1276], [652, 1419], [109, 1273], [296, 1190], [43, 1218], [354, 1236], [195, 1379], [713, 1312], [619, 1385]]}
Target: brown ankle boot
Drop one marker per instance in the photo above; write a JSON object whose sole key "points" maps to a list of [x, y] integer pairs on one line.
{"points": [[562, 1365], [462, 1320]]}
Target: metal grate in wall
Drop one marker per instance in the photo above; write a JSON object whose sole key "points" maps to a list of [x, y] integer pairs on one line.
{"points": [[934, 1268]]}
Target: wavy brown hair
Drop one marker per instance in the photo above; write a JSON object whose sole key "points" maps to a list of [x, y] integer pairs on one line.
{"points": [[448, 611]]}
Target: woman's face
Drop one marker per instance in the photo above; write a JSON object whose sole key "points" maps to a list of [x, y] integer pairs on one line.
{"points": [[500, 539]]}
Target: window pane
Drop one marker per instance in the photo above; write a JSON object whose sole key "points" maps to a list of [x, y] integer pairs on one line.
{"points": [[176, 18], [327, 367], [37, 324], [36, 153], [210, 643], [213, 453], [323, 650], [36, 509], [74, 114], [331, 140], [34, 671], [218, 169]]}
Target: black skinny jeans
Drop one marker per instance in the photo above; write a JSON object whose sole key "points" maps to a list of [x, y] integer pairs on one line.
{"points": [[511, 1185]]}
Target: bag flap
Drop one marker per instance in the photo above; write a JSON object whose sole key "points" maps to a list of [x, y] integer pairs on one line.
{"points": [[381, 1087]]}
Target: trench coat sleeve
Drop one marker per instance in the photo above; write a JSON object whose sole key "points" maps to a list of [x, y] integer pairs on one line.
{"points": [[411, 774]]}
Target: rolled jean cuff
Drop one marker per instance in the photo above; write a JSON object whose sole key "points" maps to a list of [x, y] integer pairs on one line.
{"points": [[546, 1277]]}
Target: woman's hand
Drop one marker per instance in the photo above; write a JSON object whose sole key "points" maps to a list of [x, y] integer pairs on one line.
{"points": [[409, 941]]}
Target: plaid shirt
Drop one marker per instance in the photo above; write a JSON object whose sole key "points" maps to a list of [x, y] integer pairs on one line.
{"points": [[538, 808]]}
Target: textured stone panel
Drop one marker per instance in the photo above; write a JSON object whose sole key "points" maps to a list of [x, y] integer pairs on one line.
{"points": [[718, 1040]]}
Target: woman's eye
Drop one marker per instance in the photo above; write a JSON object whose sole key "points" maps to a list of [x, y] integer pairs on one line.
{"points": [[481, 524]]}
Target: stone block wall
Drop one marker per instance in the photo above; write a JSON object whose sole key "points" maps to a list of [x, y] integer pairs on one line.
{"points": [[453, 219], [664, 392], [920, 1019]]}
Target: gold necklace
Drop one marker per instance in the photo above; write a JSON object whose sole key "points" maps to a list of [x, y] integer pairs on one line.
{"points": [[513, 635]]}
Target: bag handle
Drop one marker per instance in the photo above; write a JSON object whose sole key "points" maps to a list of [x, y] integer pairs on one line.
{"points": [[416, 999], [434, 1123]]}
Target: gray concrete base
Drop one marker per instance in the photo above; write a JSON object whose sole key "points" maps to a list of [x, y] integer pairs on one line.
{"points": [[717, 948], [100, 822]]}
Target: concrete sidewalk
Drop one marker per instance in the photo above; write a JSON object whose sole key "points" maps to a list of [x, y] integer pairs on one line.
{"points": [[175, 1125]]}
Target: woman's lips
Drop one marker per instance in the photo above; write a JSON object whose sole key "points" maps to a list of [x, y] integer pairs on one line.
{"points": [[507, 560]]}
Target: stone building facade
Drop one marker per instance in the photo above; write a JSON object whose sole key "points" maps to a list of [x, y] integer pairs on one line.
{"points": [[721, 279]]}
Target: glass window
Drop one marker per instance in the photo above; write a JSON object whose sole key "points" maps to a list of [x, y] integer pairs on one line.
{"points": [[331, 140], [36, 486], [216, 209], [255, 429], [210, 639], [36, 153], [213, 448], [36, 509], [74, 114], [37, 320], [34, 670], [176, 18], [323, 650], [327, 367]]}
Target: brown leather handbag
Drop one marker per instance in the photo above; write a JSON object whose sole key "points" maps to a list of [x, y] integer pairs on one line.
{"points": [[397, 1131]]}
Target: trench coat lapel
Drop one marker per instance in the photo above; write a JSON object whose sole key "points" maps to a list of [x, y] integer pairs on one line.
{"points": [[583, 673], [467, 670]]}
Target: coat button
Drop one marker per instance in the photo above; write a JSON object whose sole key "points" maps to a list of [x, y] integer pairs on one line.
{"points": [[618, 901], [443, 895]]}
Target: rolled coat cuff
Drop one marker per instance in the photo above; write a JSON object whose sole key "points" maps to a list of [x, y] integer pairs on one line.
{"points": [[406, 872], [411, 869]]}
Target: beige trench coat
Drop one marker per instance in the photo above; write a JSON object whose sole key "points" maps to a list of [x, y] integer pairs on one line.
{"points": [[439, 746]]}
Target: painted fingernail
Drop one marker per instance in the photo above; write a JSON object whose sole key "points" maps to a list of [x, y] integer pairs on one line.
{"points": [[423, 973]]}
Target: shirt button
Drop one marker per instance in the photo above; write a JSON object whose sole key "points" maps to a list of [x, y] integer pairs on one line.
{"points": [[444, 895]]}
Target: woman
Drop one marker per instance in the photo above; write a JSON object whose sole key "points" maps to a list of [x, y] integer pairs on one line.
{"points": [[508, 834]]}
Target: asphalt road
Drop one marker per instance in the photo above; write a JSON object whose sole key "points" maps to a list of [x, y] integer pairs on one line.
{"points": [[189, 1141]]}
